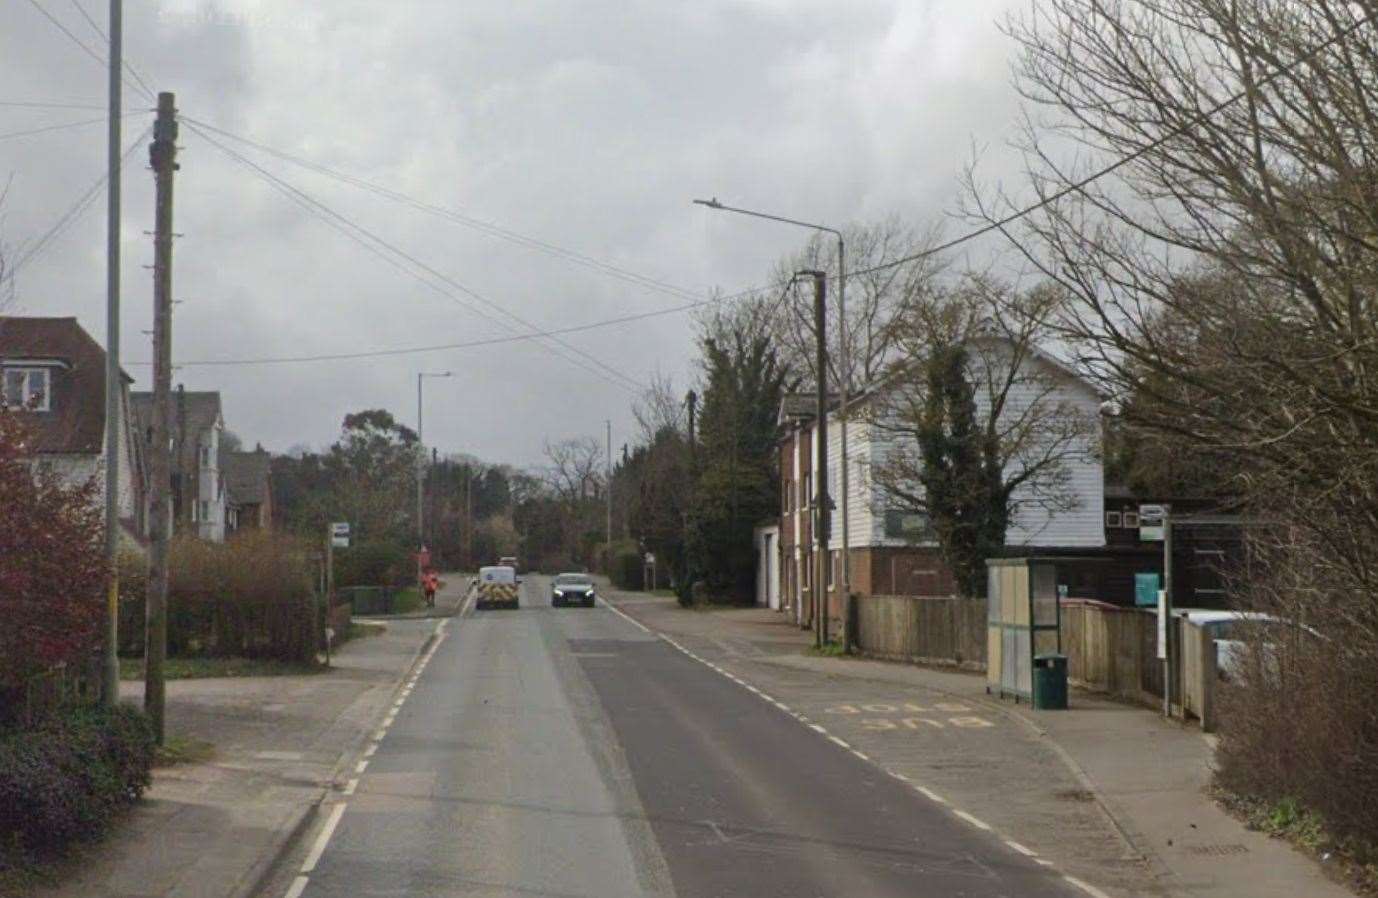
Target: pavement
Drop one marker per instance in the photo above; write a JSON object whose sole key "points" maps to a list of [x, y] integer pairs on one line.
{"points": [[217, 829], [1109, 792], [571, 752]]}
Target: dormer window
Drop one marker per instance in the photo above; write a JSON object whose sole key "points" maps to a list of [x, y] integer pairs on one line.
{"points": [[27, 388]]}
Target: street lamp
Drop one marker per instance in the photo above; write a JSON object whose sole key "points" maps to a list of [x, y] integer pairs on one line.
{"points": [[846, 362], [421, 460]]}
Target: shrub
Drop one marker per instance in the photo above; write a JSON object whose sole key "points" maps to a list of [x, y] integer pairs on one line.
{"points": [[374, 564], [626, 570], [252, 596], [65, 780], [52, 568]]}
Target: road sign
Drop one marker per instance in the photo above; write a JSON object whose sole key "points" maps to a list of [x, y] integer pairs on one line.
{"points": [[1152, 521], [1162, 625], [650, 558], [339, 534]]}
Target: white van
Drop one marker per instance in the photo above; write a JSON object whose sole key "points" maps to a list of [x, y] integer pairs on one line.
{"points": [[497, 586]]}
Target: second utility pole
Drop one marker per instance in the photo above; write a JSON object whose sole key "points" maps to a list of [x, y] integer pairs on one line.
{"points": [[163, 157], [822, 510]]}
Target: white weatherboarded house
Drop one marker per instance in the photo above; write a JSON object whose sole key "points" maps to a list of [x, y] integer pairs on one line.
{"points": [[1049, 423]]}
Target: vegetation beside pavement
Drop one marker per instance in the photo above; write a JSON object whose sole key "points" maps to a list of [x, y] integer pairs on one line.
{"points": [[63, 780]]}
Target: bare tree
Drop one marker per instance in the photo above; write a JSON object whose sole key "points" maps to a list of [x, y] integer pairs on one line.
{"points": [[660, 408], [576, 468], [1223, 280], [876, 297]]}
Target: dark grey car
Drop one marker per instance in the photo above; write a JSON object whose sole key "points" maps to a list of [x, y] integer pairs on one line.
{"points": [[572, 589]]}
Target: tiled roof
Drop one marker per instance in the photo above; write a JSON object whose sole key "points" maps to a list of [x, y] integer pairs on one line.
{"points": [[246, 477], [202, 410], [76, 423]]}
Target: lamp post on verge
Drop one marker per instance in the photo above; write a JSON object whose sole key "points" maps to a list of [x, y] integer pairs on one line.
{"points": [[421, 470], [846, 388]]}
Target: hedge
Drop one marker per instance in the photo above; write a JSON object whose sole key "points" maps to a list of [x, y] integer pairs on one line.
{"points": [[374, 564], [64, 780]]}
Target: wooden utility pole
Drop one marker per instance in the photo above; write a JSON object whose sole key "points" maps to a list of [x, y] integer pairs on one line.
{"points": [[469, 516], [608, 553], [820, 472], [163, 157]]}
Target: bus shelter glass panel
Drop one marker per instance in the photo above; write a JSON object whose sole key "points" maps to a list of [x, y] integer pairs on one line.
{"points": [[1023, 618]]}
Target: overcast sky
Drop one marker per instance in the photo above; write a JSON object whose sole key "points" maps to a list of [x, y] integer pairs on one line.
{"points": [[588, 125]]}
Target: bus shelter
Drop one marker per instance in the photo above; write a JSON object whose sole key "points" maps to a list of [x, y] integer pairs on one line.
{"points": [[1023, 621]]}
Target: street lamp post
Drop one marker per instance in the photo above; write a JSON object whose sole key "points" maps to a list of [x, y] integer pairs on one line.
{"points": [[846, 364], [421, 463]]}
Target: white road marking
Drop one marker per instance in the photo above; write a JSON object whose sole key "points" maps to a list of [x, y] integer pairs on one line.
{"points": [[378, 736], [351, 786], [931, 795], [368, 752], [974, 821], [322, 840], [861, 755], [1027, 852], [899, 776], [361, 767], [816, 728], [298, 886], [782, 706], [625, 616], [1086, 887], [841, 742]]}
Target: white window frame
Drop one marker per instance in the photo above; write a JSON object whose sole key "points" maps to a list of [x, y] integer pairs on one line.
{"points": [[196, 512], [1112, 520], [29, 373], [1131, 520], [204, 506]]}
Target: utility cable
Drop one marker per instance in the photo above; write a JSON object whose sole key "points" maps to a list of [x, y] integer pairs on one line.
{"points": [[57, 23], [33, 252], [373, 243], [128, 66]]}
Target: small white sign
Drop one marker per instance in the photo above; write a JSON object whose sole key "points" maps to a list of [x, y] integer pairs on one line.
{"points": [[339, 528], [1152, 514], [1162, 625], [340, 542], [650, 558]]}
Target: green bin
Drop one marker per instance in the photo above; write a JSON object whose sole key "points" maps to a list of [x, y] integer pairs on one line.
{"points": [[1050, 682]]}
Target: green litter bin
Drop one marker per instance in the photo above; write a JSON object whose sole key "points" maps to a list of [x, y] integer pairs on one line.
{"points": [[1050, 682]]}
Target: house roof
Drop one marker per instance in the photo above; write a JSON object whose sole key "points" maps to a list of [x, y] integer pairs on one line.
{"points": [[202, 410], [246, 477], [76, 423], [803, 406]]}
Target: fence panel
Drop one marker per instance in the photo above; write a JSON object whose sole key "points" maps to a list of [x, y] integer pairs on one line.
{"points": [[914, 628]]}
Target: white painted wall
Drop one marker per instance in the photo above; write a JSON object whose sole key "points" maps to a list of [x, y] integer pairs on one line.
{"points": [[1032, 524]]}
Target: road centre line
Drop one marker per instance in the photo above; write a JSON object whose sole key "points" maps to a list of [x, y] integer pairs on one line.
{"points": [[361, 767], [298, 886], [841, 742], [930, 795], [1027, 852], [368, 752], [351, 786]]}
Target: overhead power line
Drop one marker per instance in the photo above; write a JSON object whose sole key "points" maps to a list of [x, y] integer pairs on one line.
{"points": [[39, 104], [424, 273], [1111, 168], [65, 125], [32, 252], [470, 221], [85, 48], [128, 66]]}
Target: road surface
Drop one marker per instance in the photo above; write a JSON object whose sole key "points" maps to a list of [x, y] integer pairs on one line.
{"points": [[567, 752]]}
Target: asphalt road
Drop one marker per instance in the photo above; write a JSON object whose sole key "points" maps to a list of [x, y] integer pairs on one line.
{"points": [[567, 752]]}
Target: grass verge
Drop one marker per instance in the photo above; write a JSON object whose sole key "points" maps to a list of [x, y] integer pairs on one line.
{"points": [[830, 649], [1349, 862], [182, 750], [207, 668]]}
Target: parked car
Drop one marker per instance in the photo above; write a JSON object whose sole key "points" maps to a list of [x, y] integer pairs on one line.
{"points": [[572, 589], [1230, 630]]}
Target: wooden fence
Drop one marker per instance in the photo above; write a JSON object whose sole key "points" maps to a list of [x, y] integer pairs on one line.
{"points": [[1109, 649], [913, 628]]}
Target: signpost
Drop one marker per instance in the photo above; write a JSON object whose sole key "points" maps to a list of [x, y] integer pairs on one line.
{"points": [[1155, 525], [339, 535]]}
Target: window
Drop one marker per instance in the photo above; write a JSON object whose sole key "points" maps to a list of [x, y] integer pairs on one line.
{"points": [[787, 496], [1131, 520], [205, 510], [805, 493], [1112, 519], [914, 526], [195, 512], [836, 577], [27, 388], [205, 456]]}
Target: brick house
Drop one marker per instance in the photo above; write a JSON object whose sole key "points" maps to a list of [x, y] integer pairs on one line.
{"points": [[891, 550], [54, 372]]}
